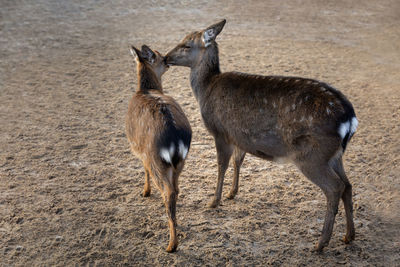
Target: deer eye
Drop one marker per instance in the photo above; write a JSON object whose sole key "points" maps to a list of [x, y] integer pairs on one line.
{"points": [[186, 47]]}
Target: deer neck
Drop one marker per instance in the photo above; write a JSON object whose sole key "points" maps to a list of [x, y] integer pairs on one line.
{"points": [[202, 73], [148, 79]]}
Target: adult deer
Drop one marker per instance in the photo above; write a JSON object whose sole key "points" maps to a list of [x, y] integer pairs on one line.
{"points": [[277, 118], [158, 132]]}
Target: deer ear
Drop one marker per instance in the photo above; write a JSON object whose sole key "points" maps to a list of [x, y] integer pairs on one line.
{"points": [[136, 53], [212, 31], [148, 54]]}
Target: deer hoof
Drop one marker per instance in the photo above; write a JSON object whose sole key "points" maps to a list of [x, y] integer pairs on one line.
{"points": [[348, 238], [172, 247], [319, 247], [213, 204], [146, 193], [231, 195]]}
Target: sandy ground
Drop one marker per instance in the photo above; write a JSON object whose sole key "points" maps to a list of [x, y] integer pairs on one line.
{"points": [[70, 188]]}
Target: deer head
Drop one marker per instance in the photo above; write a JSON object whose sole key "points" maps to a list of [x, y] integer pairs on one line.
{"points": [[193, 47], [149, 58]]}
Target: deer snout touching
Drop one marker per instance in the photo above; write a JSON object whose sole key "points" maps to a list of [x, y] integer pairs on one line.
{"points": [[174, 58]]}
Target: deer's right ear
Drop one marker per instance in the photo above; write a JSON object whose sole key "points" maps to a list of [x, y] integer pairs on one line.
{"points": [[136, 53], [148, 54], [211, 32]]}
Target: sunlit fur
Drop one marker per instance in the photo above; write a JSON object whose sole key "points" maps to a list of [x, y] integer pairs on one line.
{"points": [[158, 132], [277, 118]]}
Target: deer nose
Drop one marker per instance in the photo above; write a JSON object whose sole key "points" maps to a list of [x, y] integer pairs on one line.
{"points": [[166, 60]]}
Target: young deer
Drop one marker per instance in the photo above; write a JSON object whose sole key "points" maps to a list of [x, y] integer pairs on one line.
{"points": [[158, 132], [277, 118]]}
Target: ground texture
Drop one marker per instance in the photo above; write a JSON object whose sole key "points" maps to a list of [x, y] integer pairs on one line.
{"points": [[70, 188]]}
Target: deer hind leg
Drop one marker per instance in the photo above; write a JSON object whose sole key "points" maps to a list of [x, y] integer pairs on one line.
{"points": [[175, 176], [164, 180], [238, 157], [170, 205], [224, 153], [337, 166], [333, 187], [147, 188]]}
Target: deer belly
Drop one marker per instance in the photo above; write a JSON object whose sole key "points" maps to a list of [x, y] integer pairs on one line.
{"points": [[266, 146]]}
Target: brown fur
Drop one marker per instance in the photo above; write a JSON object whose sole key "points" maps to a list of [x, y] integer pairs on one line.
{"points": [[273, 117], [149, 115]]}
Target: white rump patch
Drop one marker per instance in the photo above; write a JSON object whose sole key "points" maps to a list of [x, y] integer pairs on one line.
{"points": [[164, 154], [344, 129], [349, 126], [183, 150], [167, 153], [354, 124]]}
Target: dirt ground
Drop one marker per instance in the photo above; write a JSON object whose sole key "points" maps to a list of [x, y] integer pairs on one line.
{"points": [[70, 188]]}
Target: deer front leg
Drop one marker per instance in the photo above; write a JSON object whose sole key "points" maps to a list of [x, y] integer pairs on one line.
{"points": [[238, 157], [224, 153]]}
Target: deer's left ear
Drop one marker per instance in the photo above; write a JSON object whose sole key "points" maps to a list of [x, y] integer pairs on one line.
{"points": [[212, 31], [136, 53]]}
